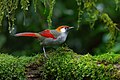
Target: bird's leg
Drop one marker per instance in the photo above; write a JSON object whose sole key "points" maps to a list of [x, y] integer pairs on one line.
{"points": [[44, 52]]}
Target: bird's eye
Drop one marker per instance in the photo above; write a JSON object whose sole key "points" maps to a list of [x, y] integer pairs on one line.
{"points": [[65, 27]]}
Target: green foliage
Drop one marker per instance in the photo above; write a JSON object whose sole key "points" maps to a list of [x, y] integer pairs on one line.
{"points": [[92, 14], [87, 14], [12, 68], [89, 8], [8, 8], [64, 64]]}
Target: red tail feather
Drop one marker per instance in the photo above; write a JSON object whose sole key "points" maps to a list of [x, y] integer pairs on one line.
{"points": [[28, 34]]}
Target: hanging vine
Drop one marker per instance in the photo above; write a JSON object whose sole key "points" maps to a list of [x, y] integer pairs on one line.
{"points": [[8, 7], [79, 13], [112, 29], [1, 14], [88, 7], [24, 4], [10, 12], [51, 7], [35, 4], [117, 4], [92, 14]]}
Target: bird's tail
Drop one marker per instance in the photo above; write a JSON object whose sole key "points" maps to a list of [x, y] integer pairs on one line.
{"points": [[28, 34]]}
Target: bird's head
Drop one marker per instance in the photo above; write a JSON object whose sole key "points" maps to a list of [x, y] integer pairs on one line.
{"points": [[63, 29]]}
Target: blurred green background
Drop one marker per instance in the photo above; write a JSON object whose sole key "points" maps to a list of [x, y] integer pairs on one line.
{"points": [[82, 40]]}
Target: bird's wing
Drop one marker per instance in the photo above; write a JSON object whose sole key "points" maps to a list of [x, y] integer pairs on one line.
{"points": [[55, 33], [47, 34]]}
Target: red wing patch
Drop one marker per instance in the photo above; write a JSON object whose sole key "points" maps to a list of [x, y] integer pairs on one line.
{"points": [[47, 34]]}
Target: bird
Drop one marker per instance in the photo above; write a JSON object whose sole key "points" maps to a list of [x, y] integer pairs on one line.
{"points": [[49, 37]]}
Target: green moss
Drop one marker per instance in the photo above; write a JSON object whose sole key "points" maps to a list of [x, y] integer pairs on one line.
{"points": [[12, 68], [109, 57], [62, 64]]}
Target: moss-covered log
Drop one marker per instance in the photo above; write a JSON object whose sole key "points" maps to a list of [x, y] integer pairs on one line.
{"points": [[63, 64]]}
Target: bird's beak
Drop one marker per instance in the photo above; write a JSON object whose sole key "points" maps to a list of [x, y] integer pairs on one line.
{"points": [[71, 27]]}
